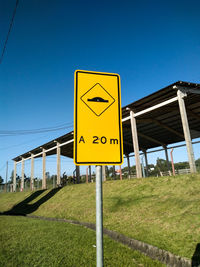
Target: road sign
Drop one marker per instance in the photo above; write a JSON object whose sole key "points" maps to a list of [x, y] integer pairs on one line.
{"points": [[97, 117]]}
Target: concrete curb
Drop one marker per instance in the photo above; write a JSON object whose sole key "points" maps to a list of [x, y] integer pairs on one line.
{"points": [[151, 251]]}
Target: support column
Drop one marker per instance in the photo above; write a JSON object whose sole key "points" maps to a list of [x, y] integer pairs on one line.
{"points": [[186, 131], [120, 169], [32, 173], [44, 179], [22, 179], [172, 160], [104, 173], [128, 165], [87, 175], [14, 176], [146, 162], [114, 174], [77, 174], [167, 158], [6, 183], [90, 174], [58, 165], [135, 145]]}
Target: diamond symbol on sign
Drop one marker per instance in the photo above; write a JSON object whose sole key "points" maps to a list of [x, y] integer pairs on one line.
{"points": [[97, 99]]}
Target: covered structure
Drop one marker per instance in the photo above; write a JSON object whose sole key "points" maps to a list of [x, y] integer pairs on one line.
{"points": [[165, 117]]}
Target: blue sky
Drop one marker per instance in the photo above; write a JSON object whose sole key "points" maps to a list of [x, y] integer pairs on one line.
{"points": [[149, 43]]}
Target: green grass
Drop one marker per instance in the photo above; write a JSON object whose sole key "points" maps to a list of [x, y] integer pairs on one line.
{"points": [[164, 212], [33, 242]]}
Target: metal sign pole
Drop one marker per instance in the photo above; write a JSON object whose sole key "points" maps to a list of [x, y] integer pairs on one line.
{"points": [[99, 217]]}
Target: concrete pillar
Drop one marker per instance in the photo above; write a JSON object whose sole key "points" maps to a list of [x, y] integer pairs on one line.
{"points": [[135, 145], [146, 162], [58, 165], [77, 174], [22, 179], [32, 173], [14, 176], [167, 158], [44, 179], [128, 165], [90, 174], [104, 173], [186, 131]]}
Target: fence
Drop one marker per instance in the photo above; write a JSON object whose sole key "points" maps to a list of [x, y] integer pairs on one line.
{"points": [[180, 171]]}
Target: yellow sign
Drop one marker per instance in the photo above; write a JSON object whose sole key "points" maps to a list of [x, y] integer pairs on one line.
{"points": [[97, 119]]}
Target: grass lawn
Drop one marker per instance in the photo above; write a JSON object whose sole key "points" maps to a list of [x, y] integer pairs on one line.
{"points": [[164, 212], [33, 242]]}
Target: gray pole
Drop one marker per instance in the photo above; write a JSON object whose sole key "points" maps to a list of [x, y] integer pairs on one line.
{"points": [[135, 145], [54, 182], [114, 174], [22, 180], [99, 217], [120, 168], [104, 173], [6, 175], [146, 162], [143, 172], [90, 174], [58, 165], [86, 176], [77, 174], [14, 176], [186, 131], [32, 172], [167, 158], [44, 181], [128, 163]]}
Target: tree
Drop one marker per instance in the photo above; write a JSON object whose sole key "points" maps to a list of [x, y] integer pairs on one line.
{"points": [[181, 165], [107, 171], [197, 162], [47, 174], [161, 165], [1, 180]]}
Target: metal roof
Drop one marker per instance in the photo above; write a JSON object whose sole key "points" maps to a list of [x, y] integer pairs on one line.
{"points": [[159, 127]]}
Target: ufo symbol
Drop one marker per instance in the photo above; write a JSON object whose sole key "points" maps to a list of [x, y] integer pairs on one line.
{"points": [[97, 99]]}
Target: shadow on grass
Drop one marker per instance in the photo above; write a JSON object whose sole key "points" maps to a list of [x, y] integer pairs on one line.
{"points": [[24, 207], [196, 256]]}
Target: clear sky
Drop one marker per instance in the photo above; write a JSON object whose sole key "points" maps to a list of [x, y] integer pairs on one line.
{"points": [[149, 43]]}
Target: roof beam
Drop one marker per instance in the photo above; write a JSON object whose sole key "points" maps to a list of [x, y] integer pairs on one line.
{"points": [[164, 103], [158, 150], [189, 111], [159, 123], [130, 144], [168, 128], [186, 90], [52, 148], [145, 136], [167, 102], [151, 139], [127, 143], [192, 114], [193, 91]]}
